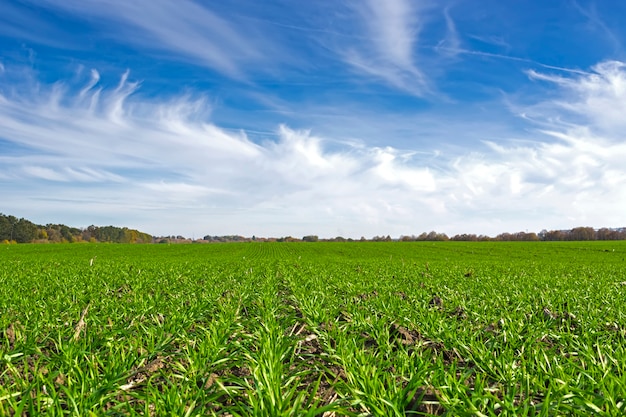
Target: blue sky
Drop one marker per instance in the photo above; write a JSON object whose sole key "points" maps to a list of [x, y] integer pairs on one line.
{"points": [[351, 118]]}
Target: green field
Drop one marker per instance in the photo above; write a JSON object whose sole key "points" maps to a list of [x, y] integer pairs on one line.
{"points": [[328, 329]]}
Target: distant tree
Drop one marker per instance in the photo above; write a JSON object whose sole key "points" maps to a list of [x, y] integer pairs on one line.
{"points": [[609, 234], [23, 231], [66, 233], [531, 237], [504, 237], [604, 234], [582, 233], [554, 235], [465, 237], [42, 234], [441, 237], [6, 227]]}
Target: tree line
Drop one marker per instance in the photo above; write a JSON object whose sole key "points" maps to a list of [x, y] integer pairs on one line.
{"points": [[575, 234], [14, 230]]}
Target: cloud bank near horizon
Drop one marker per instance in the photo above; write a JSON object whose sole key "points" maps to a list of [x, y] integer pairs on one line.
{"points": [[89, 149]]}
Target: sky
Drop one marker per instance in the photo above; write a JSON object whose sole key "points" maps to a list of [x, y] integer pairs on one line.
{"points": [[330, 117]]}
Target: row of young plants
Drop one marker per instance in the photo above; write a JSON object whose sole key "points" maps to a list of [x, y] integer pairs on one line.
{"points": [[324, 329]]}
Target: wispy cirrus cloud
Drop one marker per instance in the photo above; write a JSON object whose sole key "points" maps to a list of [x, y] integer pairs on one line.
{"points": [[183, 29], [574, 162], [77, 134], [597, 23], [452, 41], [391, 30], [67, 174], [598, 97]]}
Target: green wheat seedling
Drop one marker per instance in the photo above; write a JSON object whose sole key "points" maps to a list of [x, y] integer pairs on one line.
{"points": [[319, 329]]}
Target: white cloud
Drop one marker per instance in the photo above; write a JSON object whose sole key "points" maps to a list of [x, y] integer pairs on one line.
{"points": [[74, 139], [44, 173], [389, 172], [451, 43], [163, 166], [68, 174], [574, 175], [598, 23], [392, 22], [183, 28], [392, 30], [95, 78], [598, 96]]}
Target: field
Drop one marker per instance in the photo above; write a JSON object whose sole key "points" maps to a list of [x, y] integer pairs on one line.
{"points": [[317, 329]]}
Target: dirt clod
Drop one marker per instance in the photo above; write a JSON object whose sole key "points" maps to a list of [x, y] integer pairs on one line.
{"points": [[436, 302], [404, 335]]}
